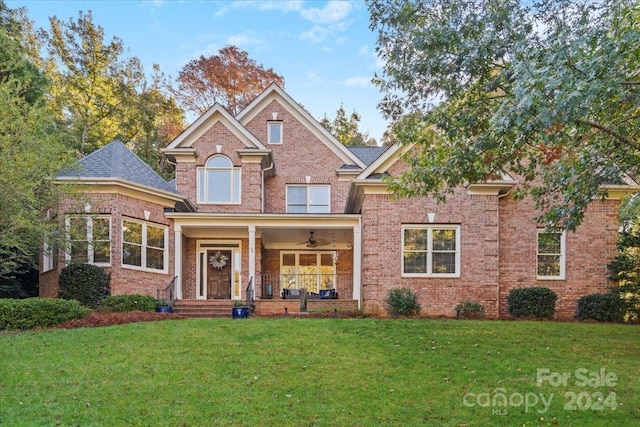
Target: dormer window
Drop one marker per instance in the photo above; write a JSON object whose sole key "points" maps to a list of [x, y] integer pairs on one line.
{"points": [[219, 182], [274, 132]]}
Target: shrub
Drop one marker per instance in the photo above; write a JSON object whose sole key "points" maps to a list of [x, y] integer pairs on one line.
{"points": [[401, 302], [532, 302], [86, 283], [470, 310], [38, 313], [122, 303], [601, 307]]}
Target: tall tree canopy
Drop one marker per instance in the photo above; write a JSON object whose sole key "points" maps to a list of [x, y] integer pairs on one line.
{"points": [[346, 129], [100, 95], [548, 90], [30, 149], [230, 78]]}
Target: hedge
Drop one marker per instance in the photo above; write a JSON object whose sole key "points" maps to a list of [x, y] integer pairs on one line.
{"points": [[86, 283], [33, 313], [601, 307], [122, 303], [532, 302]]}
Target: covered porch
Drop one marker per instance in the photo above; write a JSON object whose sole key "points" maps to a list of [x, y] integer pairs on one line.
{"points": [[272, 261]]}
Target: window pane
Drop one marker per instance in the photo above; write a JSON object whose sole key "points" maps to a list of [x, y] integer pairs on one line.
{"points": [[132, 232], [237, 185], [155, 259], [444, 263], [131, 254], [78, 228], [101, 252], [307, 259], [415, 239], [219, 183], [288, 259], [79, 251], [297, 195], [219, 162], [548, 265], [318, 195], [155, 236], [549, 243], [444, 240], [415, 262], [100, 229], [275, 133]]}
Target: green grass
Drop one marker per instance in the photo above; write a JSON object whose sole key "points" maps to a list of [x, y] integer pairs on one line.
{"points": [[307, 372]]}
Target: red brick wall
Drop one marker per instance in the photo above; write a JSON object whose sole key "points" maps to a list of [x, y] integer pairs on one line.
{"points": [[123, 280], [588, 251], [300, 154], [382, 220]]}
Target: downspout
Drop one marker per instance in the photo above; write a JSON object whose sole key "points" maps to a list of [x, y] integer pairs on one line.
{"points": [[262, 183]]}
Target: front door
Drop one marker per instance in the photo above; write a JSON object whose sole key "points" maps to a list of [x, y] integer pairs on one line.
{"points": [[219, 274]]}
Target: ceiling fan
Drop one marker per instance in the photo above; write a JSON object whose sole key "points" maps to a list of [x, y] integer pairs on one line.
{"points": [[312, 242]]}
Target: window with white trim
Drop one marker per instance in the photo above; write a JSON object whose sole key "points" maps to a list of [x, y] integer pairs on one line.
{"points": [[308, 198], [219, 182], [551, 255], [49, 256], [144, 245], [274, 132], [430, 250], [313, 271], [88, 239]]}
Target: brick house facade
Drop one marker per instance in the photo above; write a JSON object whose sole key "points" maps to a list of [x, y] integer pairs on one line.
{"points": [[268, 203]]}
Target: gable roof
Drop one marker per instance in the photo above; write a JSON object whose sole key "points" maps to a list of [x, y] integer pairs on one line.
{"points": [[206, 121], [368, 154], [116, 161], [275, 92]]}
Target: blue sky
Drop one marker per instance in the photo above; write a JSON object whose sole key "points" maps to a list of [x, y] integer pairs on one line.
{"points": [[324, 49]]}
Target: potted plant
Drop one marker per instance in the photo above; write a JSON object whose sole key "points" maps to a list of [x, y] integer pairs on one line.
{"points": [[239, 310], [163, 306]]}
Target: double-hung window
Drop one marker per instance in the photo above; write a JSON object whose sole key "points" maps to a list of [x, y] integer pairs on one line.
{"points": [[431, 250], [551, 255], [88, 239], [308, 199], [219, 182], [144, 245]]}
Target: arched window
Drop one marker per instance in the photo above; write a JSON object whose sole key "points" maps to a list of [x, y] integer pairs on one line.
{"points": [[218, 181]]}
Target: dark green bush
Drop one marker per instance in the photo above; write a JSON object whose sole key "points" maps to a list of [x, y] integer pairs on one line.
{"points": [[122, 303], [601, 307], [532, 302], [38, 313], [401, 302], [470, 310], [86, 283]]}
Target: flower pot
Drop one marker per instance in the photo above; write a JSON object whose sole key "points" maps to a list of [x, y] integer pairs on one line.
{"points": [[240, 312], [164, 309]]}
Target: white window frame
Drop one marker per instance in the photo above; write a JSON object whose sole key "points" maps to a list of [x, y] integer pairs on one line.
{"points": [[279, 125], [429, 250], [202, 185], [298, 273], [144, 246], [49, 256], [562, 254], [308, 201], [89, 236]]}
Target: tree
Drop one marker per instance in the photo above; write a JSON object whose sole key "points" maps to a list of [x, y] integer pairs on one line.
{"points": [[230, 78], [100, 96], [30, 152], [548, 91], [346, 130]]}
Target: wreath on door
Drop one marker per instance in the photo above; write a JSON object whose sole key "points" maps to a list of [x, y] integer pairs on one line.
{"points": [[218, 260]]}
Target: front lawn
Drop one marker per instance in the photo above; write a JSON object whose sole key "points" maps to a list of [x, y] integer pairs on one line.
{"points": [[325, 372]]}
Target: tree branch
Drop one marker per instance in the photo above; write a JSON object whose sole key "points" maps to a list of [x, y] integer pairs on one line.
{"points": [[610, 132]]}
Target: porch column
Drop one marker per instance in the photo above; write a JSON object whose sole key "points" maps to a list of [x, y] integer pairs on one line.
{"points": [[357, 265], [177, 260], [252, 255]]}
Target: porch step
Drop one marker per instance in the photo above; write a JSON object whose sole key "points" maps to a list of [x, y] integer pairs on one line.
{"points": [[203, 308]]}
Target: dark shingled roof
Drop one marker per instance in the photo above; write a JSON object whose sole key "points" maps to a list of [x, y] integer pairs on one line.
{"points": [[368, 154], [115, 160]]}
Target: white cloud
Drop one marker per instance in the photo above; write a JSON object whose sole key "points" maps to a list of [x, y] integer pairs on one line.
{"points": [[334, 11], [284, 6], [244, 39], [313, 77], [358, 82], [316, 34]]}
